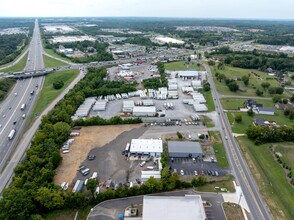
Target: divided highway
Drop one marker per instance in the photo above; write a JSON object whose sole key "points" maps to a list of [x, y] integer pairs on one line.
{"points": [[12, 117], [240, 170]]}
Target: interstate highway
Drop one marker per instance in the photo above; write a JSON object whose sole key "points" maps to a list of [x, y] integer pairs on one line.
{"points": [[10, 112]]}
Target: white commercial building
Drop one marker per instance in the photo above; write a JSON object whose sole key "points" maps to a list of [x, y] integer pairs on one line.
{"points": [[128, 106], [151, 147], [189, 74], [200, 107], [100, 105], [196, 84], [144, 111], [173, 95], [188, 207]]}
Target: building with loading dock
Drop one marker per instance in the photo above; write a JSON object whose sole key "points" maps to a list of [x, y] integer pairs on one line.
{"points": [[147, 147]]}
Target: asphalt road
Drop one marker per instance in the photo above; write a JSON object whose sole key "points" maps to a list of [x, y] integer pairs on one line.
{"points": [[258, 208], [11, 114]]}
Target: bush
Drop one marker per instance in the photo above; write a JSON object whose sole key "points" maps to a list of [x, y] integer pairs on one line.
{"points": [[238, 118], [58, 84], [180, 136]]}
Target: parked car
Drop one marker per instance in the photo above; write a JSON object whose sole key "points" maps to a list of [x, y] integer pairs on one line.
{"points": [[182, 172], [195, 173], [91, 157]]}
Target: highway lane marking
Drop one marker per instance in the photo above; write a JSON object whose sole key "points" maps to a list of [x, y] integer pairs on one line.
{"points": [[17, 106]]}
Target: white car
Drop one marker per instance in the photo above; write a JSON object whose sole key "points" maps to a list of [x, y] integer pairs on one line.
{"points": [[182, 172], [196, 173]]}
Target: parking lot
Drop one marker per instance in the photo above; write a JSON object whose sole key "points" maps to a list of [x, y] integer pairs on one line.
{"points": [[111, 164], [189, 167]]}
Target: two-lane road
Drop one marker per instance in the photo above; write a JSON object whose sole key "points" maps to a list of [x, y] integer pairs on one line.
{"points": [[240, 170]]}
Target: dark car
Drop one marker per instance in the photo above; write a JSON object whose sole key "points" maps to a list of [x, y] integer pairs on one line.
{"points": [[91, 157]]}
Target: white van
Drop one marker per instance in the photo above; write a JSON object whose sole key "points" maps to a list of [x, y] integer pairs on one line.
{"points": [[142, 163]]}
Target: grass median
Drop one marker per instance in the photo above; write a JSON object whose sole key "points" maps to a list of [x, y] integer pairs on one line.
{"points": [[220, 152], [48, 93], [50, 62]]}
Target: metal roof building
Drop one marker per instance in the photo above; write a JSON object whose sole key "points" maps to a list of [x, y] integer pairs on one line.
{"points": [[184, 149], [152, 147], [188, 207], [144, 111], [128, 106]]}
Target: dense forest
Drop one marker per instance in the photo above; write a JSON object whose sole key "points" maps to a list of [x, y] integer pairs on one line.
{"points": [[11, 46]]}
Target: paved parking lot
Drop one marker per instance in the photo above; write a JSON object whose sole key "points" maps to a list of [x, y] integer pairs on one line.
{"points": [[189, 166]]}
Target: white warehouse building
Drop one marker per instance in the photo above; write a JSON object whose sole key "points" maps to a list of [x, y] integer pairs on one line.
{"points": [[151, 147], [144, 111]]}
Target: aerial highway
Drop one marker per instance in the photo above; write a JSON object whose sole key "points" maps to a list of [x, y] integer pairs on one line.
{"points": [[240, 170], [16, 108]]}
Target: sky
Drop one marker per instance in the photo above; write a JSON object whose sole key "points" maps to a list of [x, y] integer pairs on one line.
{"points": [[248, 9]]}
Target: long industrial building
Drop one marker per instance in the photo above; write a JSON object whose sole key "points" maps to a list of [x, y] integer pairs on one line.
{"points": [[151, 147]]}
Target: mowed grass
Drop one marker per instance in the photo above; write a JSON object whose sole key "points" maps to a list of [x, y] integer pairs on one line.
{"points": [[52, 53], [182, 65], [236, 104], [220, 152], [240, 128], [18, 67], [209, 101], [50, 62], [68, 214], [226, 182], [48, 93], [208, 121], [287, 150], [233, 73], [270, 178]]}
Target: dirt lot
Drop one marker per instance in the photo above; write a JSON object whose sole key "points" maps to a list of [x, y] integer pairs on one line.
{"points": [[233, 211], [90, 137]]}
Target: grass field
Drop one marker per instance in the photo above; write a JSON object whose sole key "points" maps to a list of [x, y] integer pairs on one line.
{"points": [[270, 177], [287, 150], [209, 100], [219, 150], [50, 62], [236, 104], [240, 128], [68, 214], [232, 72], [226, 183], [181, 65], [52, 53], [48, 93], [233, 211], [18, 67], [208, 121]]}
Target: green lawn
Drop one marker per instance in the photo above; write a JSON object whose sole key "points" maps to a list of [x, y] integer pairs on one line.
{"points": [[68, 214], [48, 93], [50, 62], [209, 100], [270, 177], [52, 53], [220, 152], [208, 121], [227, 183], [240, 128], [233, 72], [181, 65], [236, 104], [287, 150], [18, 67]]}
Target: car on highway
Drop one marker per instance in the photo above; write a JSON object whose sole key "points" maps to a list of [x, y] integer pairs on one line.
{"points": [[195, 173], [182, 172], [4, 116], [14, 122]]}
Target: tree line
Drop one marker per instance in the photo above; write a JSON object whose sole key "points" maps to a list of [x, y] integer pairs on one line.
{"points": [[5, 85], [255, 60], [265, 134], [155, 83]]}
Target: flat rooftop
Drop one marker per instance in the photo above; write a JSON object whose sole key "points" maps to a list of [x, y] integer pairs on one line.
{"points": [[184, 147], [146, 145], [189, 207]]}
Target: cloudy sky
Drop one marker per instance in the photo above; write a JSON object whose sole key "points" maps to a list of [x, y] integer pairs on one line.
{"points": [[268, 9]]}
